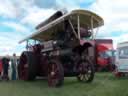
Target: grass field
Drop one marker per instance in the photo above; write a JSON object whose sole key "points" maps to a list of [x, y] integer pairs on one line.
{"points": [[104, 84]]}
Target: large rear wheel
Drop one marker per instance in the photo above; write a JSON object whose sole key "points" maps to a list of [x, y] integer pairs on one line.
{"points": [[27, 67], [55, 74]]}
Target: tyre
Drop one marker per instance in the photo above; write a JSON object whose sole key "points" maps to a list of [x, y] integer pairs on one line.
{"points": [[27, 66], [85, 71], [55, 74]]}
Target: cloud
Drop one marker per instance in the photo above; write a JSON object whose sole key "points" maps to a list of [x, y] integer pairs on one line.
{"points": [[14, 9], [4, 50], [9, 39], [58, 4], [26, 12], [9, 45], [37, 15], [4, 10], [41, 10], [8, 9], [114, 13], [16, 26]]}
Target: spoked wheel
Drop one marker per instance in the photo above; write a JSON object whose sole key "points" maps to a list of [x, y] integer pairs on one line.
{"points": [[85, 71], [26, 67], [55, 74]]}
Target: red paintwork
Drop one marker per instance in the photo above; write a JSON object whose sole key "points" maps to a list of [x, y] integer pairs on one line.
{"points": [[102, 62], [103, 45]]}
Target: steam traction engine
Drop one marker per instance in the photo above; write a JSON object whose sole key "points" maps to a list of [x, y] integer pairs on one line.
{"points": [[62, 47]]}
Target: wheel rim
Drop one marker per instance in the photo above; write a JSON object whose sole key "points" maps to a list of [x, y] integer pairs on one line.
{"points": [[84, 71], [53, 75], [23, 70]]}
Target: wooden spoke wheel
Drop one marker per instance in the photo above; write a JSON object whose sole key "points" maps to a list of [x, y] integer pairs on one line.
{"points": [[26, 67], [85, 71], [55, 74]]}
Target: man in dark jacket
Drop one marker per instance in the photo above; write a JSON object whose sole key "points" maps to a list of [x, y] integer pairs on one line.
{"points": [[5, 62]]}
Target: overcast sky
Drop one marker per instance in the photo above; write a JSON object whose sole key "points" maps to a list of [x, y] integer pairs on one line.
{"points": [[18, 19]]}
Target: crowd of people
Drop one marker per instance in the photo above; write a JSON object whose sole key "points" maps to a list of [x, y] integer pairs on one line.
{"points": [[7, 62]]}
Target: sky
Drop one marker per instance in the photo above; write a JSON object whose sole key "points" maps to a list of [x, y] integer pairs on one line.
{"points": [[18, 19]]}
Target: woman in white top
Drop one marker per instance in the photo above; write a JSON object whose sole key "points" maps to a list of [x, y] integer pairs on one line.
{"points": [[13, 65]]}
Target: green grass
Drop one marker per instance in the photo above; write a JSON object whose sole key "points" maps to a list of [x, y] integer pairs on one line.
{"points": [[104, 84]]}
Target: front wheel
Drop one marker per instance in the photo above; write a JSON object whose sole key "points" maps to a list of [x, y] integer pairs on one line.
{"points": [[85, 71], [55, 74]]}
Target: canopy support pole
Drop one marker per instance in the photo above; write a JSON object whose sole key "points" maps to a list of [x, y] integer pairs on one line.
{"points": [[92, 27], [72, 27], [96, 32], [27, 45], [78, 26], [35, 41]]}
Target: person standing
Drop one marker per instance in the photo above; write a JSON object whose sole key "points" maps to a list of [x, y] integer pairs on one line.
{"points": [[1, 68], [5, 62], [14, 67]]}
